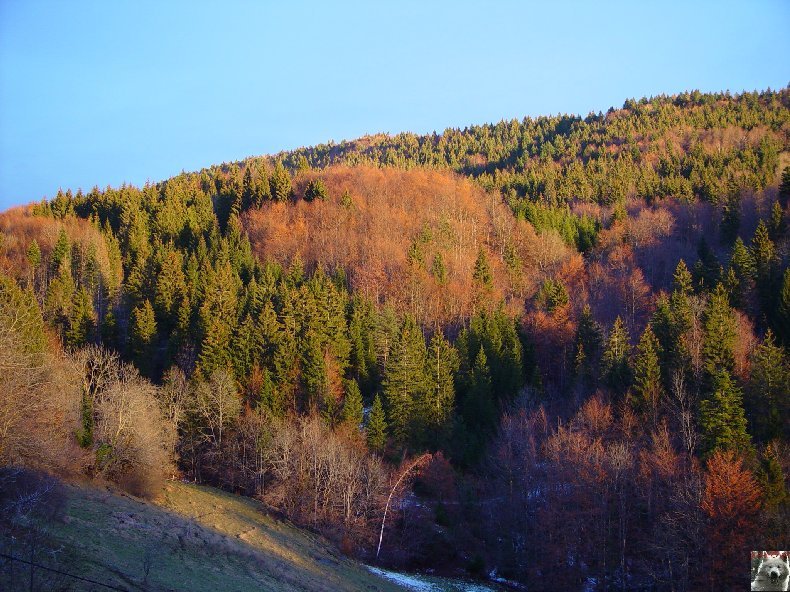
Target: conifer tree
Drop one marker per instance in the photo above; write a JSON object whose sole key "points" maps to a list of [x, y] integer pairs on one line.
{"points": [[316, 189], [482, 275], [589, 338], [763, 252], [718, 350], [777, 226], [682, 280], [742, 266], [436, 406], [772, 479], [81, 320], [143, 333], [405, 381], [352, 404], [280, 183], [767, 392], [647, 374], [34, 259], [314, 376], [782, 322], [439, 270], [707, 270], [722, 420], [616, 368], [59, 260], [376, 430], [730, 218]]}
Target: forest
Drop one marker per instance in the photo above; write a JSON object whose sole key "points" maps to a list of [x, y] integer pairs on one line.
{"points": [[577, 328]]}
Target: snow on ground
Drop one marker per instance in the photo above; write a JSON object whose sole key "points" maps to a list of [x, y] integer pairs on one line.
{"points": [[429, 583]]}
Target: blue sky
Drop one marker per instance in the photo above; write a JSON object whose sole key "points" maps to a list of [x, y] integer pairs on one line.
{"points": [[98, 93]]}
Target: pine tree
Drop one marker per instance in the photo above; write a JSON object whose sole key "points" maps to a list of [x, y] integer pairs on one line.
{"points": [[615, 365], [682, 281], [314, 371], [767, 391], [721, 331], [170, 288], [741, 279], [782, 322], [316, 189], [589, 338], [143, 333], [405, 381], [439, 270], [81, 320], [280, 183], [376, 430], [436, 406], [730, 218], [59, 260], [482, 275], [777, 226], [772, 479], [763, 252], [722, 420], [647, 375], [352, 404]]}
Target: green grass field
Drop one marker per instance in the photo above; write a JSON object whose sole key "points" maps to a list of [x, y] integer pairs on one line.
{"points": [[193, 539]]}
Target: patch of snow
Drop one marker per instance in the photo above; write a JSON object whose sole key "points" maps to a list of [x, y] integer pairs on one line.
{"points": [[409, 582]]}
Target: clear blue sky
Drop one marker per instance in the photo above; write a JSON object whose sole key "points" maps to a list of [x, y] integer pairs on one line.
{"points": [[98, 93]]}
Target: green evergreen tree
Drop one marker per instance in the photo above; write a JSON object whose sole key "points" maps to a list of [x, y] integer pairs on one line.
{"points": [[439, 270], [81, 320], [280, 183], [647, 389], [33, 259], [741, 278], [314, 373], [615, 365], [721, 331], [482, 275], [784, 186], [782, 322], [436, 406], [767, 391], [376, 430], [777, 225], [707, 270], [588, 340], [730, 218], [59, 260], [763, 252], [170, 289], [316, 189], [682, 280], [143, 334], [722, 420], [771, 477], [352, 404], [405, 381]]}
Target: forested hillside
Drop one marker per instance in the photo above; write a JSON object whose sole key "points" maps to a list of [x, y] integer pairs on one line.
{"points": [[585, 322]]}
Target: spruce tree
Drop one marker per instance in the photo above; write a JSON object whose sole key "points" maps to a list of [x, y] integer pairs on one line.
{"points": [[479, 409], [647, 374], [742, 268], [405, 381], [482, 274], [589, 338], [316, 189], [60, 254], [722, 421], [721, 331], [280, 183], [143, 333], [314, 371], [777, 226], [730, 218], [782, 322], [352, 404], [767, 391], [81, 320], [772, 479], [439, 270], [763, 252], [376, 430], [436, 406], [616, 368]]}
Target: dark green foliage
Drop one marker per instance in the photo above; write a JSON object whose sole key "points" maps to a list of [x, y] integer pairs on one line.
{"points": [[405, 381], [435, 408], [707, 270], [59, 260], [81, 320], [552, 295], [647, 388], [143, 336], [34, 254], [782, 321], [579, 232], [730, 218], [772, 479], [777, 225], [615, 366], [784, 186], [722, 421], [588, 342], [482, 274], [280, 183], [352, 404], [682, 280], [740, 281], [767, 391], [376, 429], [316, 190], [721, 331], [767, 276], [439, 270]]}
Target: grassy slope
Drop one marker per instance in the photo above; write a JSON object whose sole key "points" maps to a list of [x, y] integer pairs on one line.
{"points": [[198, 538]]}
